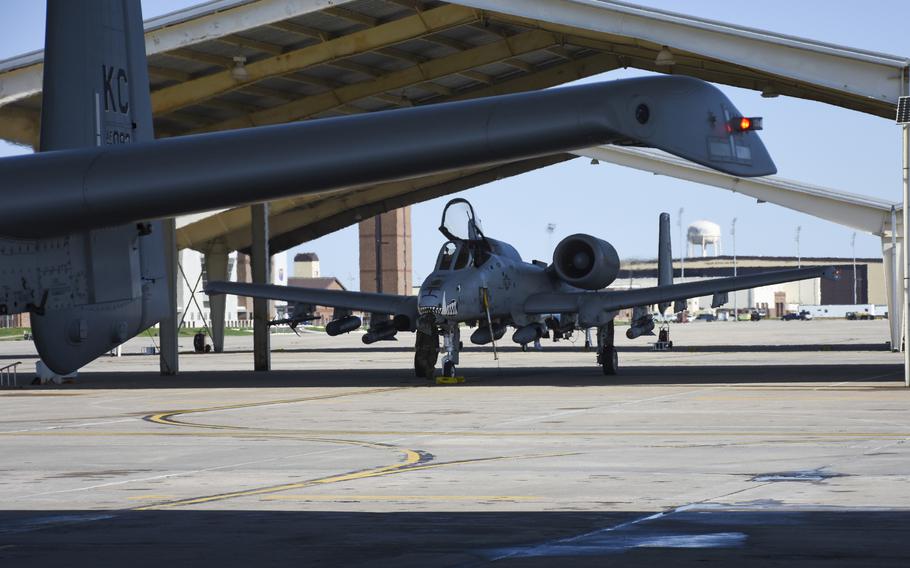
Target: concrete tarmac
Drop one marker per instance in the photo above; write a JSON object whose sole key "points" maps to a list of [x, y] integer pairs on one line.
{"points": [[777, 443]]}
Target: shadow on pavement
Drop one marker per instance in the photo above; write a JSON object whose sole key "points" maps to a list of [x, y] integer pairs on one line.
{"points": [[793, 375], [741, 538], [553, 348]]}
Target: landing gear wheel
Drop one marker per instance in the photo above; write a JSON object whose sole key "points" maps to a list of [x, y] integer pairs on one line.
{"points": [[423, 369], [606, 352], [426, 352], [610, 362], [451, 341]]}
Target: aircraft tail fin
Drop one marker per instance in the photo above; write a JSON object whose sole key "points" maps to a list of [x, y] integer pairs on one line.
{"points": [[96, 93], [96, 89], [664, 257]]}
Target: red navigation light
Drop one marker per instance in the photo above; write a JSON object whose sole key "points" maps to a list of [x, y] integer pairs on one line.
{"points": [[744, 124]]}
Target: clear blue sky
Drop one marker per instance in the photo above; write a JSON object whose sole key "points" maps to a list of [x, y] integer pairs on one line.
{"points": [[809, 141]]}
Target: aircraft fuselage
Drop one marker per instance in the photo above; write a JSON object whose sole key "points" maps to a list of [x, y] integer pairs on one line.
{"points": [[454, 292]]}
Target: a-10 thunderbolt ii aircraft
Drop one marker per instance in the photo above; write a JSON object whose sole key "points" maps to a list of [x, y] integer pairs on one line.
{"points": [[82, 244], [484, 282]]}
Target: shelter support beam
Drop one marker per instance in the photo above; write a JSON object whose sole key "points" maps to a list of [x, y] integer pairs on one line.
{"points": [[163, 35], [167, 329], [216, 268], [859, 212], [385, 35], [848, 76], [419, 74], [20, 126], [260, 262]]}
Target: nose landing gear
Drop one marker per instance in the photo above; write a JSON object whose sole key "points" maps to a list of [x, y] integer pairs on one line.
{"points": [[451, 343], [427, 350]]}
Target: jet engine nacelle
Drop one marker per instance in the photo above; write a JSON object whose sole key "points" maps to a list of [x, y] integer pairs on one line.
{"points": [[586, 262]]}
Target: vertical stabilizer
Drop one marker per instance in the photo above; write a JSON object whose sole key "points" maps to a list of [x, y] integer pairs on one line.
{"points": [[96, 93], [664, 257], [96, 89]]}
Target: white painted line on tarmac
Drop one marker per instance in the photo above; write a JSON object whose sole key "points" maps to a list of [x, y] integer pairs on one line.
{"points": [[68, 426], [178, 474], [602, 407]]}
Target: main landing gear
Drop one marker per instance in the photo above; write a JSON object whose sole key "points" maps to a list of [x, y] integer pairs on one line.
{"points": [[426, 353], [606, 351]]}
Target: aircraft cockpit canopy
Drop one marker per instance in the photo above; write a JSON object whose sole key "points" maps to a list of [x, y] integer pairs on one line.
{"points": [[459, 223], [454, 255]]}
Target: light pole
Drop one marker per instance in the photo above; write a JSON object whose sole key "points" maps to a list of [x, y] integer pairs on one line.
{"points": [[733, 232], [682, 246], [853, 246]]}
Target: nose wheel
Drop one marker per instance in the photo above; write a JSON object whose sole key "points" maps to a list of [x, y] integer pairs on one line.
{"points": [[451, 343]]}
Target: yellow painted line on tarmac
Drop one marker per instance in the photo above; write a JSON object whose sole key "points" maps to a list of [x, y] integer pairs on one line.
{"points": [[331, 498], [149, 497], [411, 463], [804, 396], [39, 393], [411, 458], [167, 418]]}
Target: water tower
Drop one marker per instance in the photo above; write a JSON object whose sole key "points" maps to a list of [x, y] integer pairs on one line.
{"points": [[704, 234]]}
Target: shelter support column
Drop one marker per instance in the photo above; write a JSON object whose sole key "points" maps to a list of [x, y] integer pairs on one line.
{"points": [[260, 263], [894, 281], [167, 328], [906, 257], [216, 268]]}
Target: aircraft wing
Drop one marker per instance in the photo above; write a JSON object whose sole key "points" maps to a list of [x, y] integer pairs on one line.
{"points": [[358, 301], [586, 302]]}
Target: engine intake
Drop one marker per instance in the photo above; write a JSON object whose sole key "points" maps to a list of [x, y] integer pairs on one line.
{"points": [[586, 262]]}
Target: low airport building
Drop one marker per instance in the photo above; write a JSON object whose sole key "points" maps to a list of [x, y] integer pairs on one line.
{"points": [[775, 300]]}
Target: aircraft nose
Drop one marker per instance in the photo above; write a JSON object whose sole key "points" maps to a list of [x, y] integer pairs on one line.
{"points": [[430, 299], [434, 300]]}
